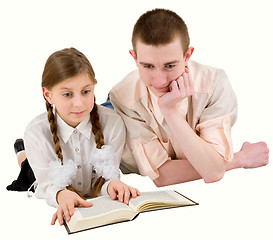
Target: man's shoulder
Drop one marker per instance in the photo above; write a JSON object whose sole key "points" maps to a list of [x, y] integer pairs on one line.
{"points": [[205, 77], [130, 89]]}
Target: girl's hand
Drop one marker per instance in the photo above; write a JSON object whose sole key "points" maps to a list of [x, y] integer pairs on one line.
{"points": [[67, 201], [117, 189]]}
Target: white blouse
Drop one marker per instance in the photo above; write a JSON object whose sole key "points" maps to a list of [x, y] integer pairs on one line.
{"points": [[77, 144]]}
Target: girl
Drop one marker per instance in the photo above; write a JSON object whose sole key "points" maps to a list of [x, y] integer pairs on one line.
{"points": [[75, 148]]}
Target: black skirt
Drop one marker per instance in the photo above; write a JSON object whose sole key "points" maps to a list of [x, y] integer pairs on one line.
{"points": [[25, 179]]}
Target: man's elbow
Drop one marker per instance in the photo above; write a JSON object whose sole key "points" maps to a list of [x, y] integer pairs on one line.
{"points": [[158, 182], [215, 177]]}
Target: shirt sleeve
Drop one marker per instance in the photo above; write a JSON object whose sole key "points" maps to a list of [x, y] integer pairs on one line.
{"points": [[39, 161], [148, 150], [218, 116]]}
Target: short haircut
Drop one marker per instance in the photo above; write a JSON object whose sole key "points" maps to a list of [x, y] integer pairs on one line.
{"points": [[160, 26]]}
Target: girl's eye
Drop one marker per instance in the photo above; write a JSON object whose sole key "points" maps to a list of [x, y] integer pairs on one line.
{"points": [[67, 94], [86, 91]]}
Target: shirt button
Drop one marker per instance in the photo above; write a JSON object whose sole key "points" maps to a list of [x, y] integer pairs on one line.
{"points": [[75, 131], [77, 150], [79, 167], [79, 183]]}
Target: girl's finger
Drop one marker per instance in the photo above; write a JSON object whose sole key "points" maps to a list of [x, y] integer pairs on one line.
{"points": [[134, 192], [54, 218], [60, 217], [67, 215], [83, 203], [120, 194], [127, 194], [112, 193]]}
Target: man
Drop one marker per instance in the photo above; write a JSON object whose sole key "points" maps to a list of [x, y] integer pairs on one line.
{"points": [[178, 113]]}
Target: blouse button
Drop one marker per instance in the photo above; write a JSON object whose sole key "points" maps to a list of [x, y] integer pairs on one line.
{"points": [[79, 183], [79, 167], [75, 131], [77, 150]]}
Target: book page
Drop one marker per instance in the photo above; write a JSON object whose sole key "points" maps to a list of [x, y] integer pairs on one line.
{"points": [[157, 199], [101, 205]]}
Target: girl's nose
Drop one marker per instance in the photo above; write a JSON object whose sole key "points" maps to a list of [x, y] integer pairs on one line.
{"points": [[77, 101]]}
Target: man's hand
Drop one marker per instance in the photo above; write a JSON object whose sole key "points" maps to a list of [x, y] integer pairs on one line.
{"points": [[180, 88]]}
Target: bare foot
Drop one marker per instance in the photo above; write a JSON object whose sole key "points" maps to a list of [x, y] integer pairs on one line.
{"points": [[252, 155]]}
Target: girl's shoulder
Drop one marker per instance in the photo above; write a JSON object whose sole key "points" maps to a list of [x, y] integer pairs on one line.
{"points": [[38, 124]]}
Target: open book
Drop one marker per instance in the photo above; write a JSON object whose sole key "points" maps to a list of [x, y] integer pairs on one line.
{"points": [[106, 211]]}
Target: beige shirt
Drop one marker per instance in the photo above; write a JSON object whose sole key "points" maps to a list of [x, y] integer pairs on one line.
{"points": [[210, 111]]}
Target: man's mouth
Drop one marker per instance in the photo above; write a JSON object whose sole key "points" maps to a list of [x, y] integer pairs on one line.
{"points": [[162, 89]]}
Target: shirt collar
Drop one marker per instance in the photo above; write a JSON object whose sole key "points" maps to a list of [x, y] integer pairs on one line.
{"points": [[65, 131]]}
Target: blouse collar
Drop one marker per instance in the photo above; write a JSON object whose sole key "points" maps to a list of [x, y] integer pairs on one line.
{"points": [[65, 131]]}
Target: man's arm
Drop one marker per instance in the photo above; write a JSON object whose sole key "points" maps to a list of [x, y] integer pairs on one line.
{"points": [[203, 160], [176, 171], [201, 155]]}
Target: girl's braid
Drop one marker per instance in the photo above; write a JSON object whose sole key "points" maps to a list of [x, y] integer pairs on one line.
{"points": [[96, 127], [99, 139], [53, 129]]}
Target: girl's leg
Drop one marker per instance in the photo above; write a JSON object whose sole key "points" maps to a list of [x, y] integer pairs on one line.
{"points": [[19, 149], [21, 157], [26, 176]]}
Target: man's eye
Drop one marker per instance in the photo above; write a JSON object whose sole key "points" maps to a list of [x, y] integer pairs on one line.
{"points": [[170, 66], [148, 66]]}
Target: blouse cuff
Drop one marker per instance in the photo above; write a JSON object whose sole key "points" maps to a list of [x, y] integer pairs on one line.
{"points": [[105, 187], [50, 195]]}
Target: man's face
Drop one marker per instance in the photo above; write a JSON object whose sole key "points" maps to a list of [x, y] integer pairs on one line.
{"points": [[160, 65]]}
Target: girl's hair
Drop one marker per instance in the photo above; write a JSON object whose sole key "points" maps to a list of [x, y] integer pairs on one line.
{"points": [[160, 26], [59, 66]]}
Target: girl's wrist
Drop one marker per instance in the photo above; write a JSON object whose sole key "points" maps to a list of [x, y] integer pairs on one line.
{"points": [[58, 194]]}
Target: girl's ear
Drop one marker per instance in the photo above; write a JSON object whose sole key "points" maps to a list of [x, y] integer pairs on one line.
{"points": [[47, 95], [133, 54]]}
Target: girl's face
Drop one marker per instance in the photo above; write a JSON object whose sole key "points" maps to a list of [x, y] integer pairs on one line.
{"points": [[73, 98]]}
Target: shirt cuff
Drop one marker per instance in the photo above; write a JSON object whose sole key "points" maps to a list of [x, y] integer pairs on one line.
{"points": [[217, 132], [149, 157]]}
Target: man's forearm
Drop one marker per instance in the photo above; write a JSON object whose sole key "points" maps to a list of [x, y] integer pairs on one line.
{"points": [[176, 171], [202, 156]]}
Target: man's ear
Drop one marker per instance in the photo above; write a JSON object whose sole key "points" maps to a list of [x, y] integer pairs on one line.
{"points": [[188, 54], [47, 95], [133, 54]]}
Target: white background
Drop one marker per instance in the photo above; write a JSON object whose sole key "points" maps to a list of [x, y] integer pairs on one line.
{"points": [[233, 35]]}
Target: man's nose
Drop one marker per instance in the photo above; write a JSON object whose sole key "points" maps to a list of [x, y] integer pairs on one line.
{"points": [[160, 78]]}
